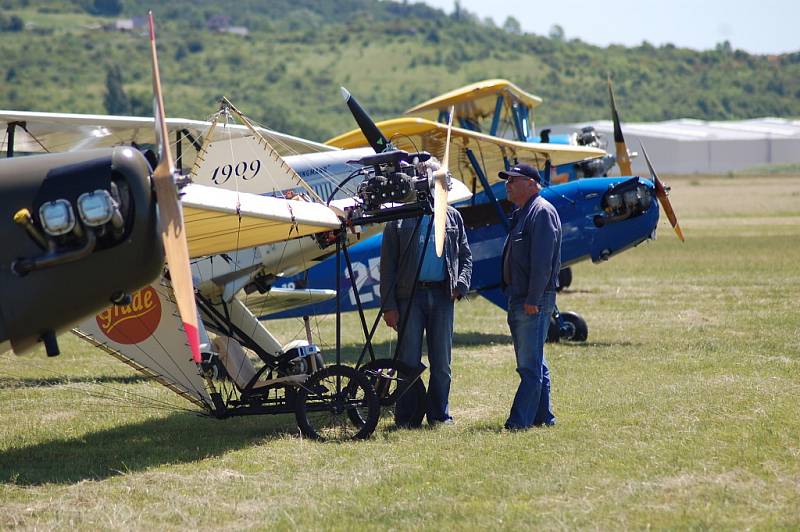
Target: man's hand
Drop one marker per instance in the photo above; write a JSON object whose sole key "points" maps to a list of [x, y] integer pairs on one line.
{"points": [[391, 317], [457, 295], [530, 310]]}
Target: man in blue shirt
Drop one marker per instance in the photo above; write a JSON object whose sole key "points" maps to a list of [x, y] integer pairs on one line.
{"points": [[530, 266], [442, 280]]}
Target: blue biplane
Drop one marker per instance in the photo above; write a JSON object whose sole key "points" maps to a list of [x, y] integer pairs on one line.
{"points": [[601, 217]]}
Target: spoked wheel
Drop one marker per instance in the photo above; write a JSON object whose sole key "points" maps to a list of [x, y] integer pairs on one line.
{"points": [[329, 401], [393, 379], [575, 328]]}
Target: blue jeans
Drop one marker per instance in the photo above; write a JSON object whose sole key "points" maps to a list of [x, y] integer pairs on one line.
{"points": [[431, 311], [532, 402]]}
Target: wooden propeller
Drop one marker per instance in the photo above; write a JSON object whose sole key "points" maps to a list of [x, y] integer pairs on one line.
{"points": [[170, 215], [661, 194], [440, 192], [623, 159]]}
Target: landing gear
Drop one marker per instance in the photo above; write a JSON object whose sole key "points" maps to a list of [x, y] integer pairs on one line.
{"points": [[564, 278], [568, 326], [337, 403], [391, 380]]}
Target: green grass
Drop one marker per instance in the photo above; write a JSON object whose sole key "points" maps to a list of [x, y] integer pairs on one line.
{"points": [[772, 169], [680, 411]]}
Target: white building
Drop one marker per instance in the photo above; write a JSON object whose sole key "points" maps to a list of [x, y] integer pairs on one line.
{"points": [[688, 146]]}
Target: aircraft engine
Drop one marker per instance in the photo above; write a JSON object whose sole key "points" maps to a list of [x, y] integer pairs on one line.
{"points": [[625, 200], [394, 177], [80, 231]]}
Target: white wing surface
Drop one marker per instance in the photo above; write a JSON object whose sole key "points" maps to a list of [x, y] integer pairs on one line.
{"points": [[60, 132], [147, 335]]}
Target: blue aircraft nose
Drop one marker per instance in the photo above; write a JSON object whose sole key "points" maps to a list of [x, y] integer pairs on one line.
{"points": [[626, 214]]}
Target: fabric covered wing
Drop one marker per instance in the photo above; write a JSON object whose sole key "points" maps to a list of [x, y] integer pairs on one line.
{"points": [[219, 220], [147, 335], [60, 132], [414, 134], [280, 299], [476, 100]]}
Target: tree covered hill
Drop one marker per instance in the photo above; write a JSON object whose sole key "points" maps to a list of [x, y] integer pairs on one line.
{"points": [[285, 72]]}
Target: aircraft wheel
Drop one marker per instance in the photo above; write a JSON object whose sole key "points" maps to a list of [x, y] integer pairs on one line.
{"points": [[392, 379], [553, 334], [564, 278], [329, 401], [575, 328]]}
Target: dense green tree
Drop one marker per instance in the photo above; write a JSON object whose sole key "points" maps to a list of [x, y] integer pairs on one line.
{"points": [[392, 55], [512, 26], [116, 101], [556, 32], [107, 8]]}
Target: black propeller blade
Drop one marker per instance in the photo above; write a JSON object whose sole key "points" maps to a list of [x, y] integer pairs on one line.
{"points": [[373, 135]]}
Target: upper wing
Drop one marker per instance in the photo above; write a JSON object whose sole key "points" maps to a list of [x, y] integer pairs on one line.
{"points": [[476, 100], [414, 134], [59, 132], [219, 220]]}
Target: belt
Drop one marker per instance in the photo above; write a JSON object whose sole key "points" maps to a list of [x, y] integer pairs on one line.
{"points": [[430, 284]]}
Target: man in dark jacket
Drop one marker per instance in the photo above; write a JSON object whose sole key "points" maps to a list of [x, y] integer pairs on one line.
{"points": [[530, 266], [442, 280]]}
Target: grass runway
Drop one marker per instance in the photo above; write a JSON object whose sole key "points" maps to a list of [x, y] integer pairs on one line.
{"points": [[681, 411]]}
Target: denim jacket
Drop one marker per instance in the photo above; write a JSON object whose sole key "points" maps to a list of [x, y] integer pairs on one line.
{"points": [[535, 247], [398, 269]]}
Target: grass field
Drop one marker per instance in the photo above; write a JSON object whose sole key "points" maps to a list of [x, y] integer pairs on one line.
{"points": [[681, 411]]}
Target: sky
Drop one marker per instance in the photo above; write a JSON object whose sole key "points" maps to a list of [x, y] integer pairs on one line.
{"points": [[759, 27]]}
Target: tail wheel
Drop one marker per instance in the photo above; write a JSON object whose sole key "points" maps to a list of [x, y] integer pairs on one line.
{"points": [[391, 380], [574, 328], [337, 403], [564, 278]]}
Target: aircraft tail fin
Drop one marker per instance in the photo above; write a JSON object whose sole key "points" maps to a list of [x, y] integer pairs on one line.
{"points": [[245, 163]]}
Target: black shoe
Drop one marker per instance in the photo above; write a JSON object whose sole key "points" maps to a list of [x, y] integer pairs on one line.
{"points": [[437, 422]]}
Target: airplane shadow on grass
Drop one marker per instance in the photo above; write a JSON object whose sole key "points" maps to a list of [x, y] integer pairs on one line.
{"points": [[178, 438], [13, 382], [385, 349]]}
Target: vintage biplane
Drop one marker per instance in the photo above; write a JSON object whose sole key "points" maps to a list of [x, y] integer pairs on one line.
{"points": [[601, 217], [231, 279], [111, 247], [502, 109]]}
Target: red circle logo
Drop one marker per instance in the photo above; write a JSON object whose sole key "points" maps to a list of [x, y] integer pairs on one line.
{"points": [[132, 323]]}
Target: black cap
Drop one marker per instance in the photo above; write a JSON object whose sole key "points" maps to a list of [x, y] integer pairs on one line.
{"points": [[522, 170]]}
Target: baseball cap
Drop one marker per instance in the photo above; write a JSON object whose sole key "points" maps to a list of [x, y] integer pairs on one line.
{"points": [[521, 170]]}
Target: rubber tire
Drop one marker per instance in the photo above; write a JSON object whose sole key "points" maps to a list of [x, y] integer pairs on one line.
{"points": [[579, 330], [553, 335], [309, 391], [417, 389], [564, 279]]}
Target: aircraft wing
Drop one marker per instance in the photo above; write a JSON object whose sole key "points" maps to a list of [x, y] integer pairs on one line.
{"points": [[219, 220], [280, 299], [60, 132], [414, 134], [477, 100]]}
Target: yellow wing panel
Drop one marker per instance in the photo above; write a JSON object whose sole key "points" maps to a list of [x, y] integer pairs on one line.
{"points": [[476, 100], [413, 134], [219, 221]]}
